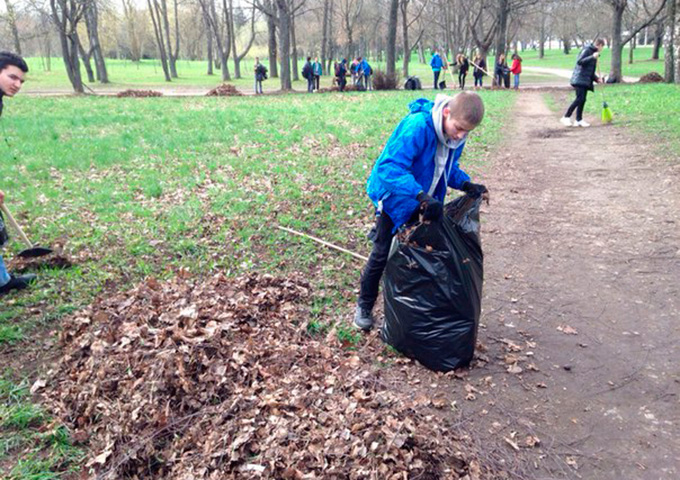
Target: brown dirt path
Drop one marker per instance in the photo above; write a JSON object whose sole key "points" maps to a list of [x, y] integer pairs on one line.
{"points": [[585, 223], [582, 290]]}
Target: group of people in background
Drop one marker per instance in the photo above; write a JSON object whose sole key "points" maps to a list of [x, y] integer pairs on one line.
{"points": [[501, 76]]}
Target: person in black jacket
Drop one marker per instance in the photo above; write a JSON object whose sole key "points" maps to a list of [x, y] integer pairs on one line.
{"points": [[463, 67], [13, 69], [582, 80], [308, 74], [502, 72]]}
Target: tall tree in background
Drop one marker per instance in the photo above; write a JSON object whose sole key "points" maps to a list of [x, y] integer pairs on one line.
{"points": [[482, 27], [156, 20], [406, 24], [12, 22], [672, 43], [618, 39], [232, 28], [391, 47], [350, 11], [220, 29], [133, 29], [66, 15], [283, 24], [325, 33], [92, 23]]}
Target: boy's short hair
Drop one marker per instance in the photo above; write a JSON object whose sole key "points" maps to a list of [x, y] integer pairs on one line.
{"points": [[468, 107], [599, 41], [9, 58]]}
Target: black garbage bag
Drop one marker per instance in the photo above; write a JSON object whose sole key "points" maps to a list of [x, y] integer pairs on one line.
{"points": [[433, 288]]}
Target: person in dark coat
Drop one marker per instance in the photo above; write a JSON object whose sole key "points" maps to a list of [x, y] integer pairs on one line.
{"points": [[478, 72], [260, 75], [463, 67], [582, 80], [308, 74], [502, 72], [341, 74], [13, 70]]}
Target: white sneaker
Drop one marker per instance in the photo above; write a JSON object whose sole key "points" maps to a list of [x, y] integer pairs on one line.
{"points": [[581, 123], [566, 121]]}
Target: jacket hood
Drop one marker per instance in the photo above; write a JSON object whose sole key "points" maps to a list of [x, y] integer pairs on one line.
{"points": [[421, 105]]}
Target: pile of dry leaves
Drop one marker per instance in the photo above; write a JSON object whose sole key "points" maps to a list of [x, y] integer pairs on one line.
{"points": [[224, 90], [139, 93], [217, 379], [651, 77]]}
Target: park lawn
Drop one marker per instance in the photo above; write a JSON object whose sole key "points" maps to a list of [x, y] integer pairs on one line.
{"points": [[557, 59], [646, 108], [138, 188]]}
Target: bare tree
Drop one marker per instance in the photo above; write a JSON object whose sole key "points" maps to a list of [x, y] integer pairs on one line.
{"points": [[66, 15], [156, 19], [618, 40], [350, 11], [672, 43], [220, 29], [391, 50], [482, 35], [12, 22], [405, 27], [239, 57], [131, 24], [92, 23]]}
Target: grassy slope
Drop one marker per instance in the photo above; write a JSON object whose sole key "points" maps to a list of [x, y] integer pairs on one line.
{"points": [[139, 187]]}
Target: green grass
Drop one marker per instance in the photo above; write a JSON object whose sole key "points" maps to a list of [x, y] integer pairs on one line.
{"points": [[30, 447], [143, 187], [557, 59], [643, 108]]}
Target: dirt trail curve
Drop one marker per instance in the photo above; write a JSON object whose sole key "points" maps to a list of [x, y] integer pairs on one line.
{"points": [[582, 259]]}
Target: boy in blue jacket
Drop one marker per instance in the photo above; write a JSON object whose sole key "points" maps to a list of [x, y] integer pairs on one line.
{"points": [[411, 176]]}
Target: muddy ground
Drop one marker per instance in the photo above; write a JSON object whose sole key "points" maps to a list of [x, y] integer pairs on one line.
{"points": [[580, 377]]}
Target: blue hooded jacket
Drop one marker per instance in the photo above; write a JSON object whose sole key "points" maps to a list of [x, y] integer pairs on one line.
{"points": [[436, 63], [407, 163]]}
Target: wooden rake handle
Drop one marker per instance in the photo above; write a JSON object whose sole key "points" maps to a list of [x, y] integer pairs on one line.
{"points": [[15, 225]]}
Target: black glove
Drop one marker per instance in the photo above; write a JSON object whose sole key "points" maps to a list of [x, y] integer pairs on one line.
{"points": [[475, 190], [432, 209]]}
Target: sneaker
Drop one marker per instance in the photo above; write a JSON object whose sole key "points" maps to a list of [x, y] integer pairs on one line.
{"points": [[363, 319], [581, 123], [18, 283], [566, 121]]}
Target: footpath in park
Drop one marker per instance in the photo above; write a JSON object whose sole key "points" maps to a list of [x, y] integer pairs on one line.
{"points": [[578, 373]]}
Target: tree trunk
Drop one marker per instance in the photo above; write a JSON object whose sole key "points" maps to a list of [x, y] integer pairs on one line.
{"points": [[232, 33], [92, 24], [658, 39], [209, 44], [271, 43], [670, 42], [85, 55], [617, 47], [404, 39], [391, 47], [12, 21], [324, 36], [541, 40], [164, 24], [631, 50], [501, 39], [421, 53], [294, 50], [154, 11], [284, 40], [66, 14], [566, 45]]}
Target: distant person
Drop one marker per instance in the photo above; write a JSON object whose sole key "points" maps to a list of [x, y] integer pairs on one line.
{"points": [[317, 71], [437, 64], [501, 72], [260, 75], [478, 72], [341, 74], [412, 175], [366, 72], [308, 74], [463, 67], [516, 69], [13, 70], [582, 80], [354, 70]]}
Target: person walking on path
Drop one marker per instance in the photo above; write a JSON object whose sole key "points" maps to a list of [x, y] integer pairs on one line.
{"points": [[478, 72], [308, 74], [436, 64], [582, 80], [463, 67], [317, 71], [260, 75], [13, 69], [516, 69], [411, 175]]}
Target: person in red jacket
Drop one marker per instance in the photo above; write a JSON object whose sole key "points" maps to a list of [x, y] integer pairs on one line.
{"points": [[516, 68]]}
